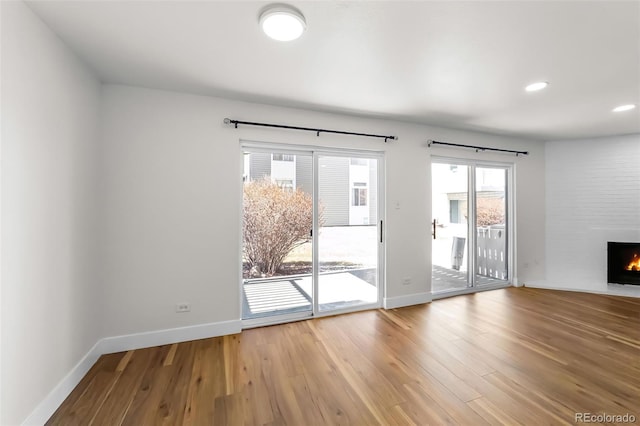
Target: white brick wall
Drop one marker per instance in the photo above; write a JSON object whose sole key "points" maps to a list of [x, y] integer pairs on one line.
{"points": [[592, 196]]}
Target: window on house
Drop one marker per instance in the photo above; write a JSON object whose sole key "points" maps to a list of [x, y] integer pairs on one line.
{"points": [[359, 194], [285, 184], [359, 162], [283, 157], [454, 211]]}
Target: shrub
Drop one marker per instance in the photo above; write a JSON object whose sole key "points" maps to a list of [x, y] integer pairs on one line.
{"points": [[490, 211], [275, 221]]}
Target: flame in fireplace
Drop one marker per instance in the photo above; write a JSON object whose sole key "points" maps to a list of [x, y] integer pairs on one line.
{"points": [[634, 265]]}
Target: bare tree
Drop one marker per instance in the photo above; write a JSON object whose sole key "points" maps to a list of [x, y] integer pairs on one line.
{"points": [[490, 211], [276, 220]]}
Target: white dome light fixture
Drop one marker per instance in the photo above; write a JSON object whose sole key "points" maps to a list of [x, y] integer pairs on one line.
{"points": [[534, 87], [282, 22], [622, 108]]}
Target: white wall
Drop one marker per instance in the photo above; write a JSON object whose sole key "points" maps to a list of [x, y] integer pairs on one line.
{"points": [[157, 202], [593, 196], [50, 107], [171, 198]]}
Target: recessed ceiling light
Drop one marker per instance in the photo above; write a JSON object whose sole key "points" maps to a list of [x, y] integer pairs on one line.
{"points": [[282, 22], [624, 108], [534, 87]]}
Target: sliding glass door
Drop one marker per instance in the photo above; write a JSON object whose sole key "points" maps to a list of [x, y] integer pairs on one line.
{"points": [[277, 249], [348, 237], [470, 226], [450, 227], [491, 260], [311, 238]]}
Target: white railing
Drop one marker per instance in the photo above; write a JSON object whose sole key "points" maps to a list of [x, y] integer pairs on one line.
{"points": [[492, 258]]}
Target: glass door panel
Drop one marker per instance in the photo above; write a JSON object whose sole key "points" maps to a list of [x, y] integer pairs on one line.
{"points": [[348, 234], [450, 227], [491, 265], [277, 221]]}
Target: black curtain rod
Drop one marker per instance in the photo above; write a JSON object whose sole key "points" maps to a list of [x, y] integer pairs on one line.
{"points": [[478, 148], [308, 129]]}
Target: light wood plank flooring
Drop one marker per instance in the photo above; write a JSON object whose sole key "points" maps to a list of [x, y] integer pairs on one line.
{"points": [[513, 356]]}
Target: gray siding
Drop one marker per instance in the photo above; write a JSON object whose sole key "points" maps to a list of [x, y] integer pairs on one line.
{"points": [[260, 165], [333, 188], [333, 185], [304, 175]]}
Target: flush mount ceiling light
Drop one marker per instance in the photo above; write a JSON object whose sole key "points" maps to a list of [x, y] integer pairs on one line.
{"points": [[534, 87], [624, 108], [282, 22]]}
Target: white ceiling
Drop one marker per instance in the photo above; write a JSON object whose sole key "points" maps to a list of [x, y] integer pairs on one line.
{"points": [[449, 63]]}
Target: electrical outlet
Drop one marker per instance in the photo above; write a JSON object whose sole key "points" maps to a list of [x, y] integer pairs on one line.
{"points": [[406, 281], [183, 307]]}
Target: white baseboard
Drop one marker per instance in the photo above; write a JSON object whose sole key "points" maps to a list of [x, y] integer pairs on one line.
{"points": [[128, 342], [408, 300], [51, 402], [612, 289], [537, 284]]}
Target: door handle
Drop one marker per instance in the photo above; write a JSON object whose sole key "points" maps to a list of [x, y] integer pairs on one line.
{"points": [[433, 233], [380, 231]]}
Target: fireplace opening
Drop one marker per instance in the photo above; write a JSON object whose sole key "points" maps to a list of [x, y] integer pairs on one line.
{"points": [[623, 263], [634, 265]]}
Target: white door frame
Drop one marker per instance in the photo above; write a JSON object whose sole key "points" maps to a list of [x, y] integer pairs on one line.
{"points": [[471, 231], [316, 152]]}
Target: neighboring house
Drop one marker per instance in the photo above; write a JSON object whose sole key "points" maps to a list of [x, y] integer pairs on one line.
{"points": [[450, 203], [347, 186]]}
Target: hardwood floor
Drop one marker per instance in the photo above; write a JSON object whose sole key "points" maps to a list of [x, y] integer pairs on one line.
{"points": [[513, 356]]}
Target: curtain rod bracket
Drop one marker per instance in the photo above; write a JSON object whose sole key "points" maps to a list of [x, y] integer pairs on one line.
{"points": [[229, 121]]}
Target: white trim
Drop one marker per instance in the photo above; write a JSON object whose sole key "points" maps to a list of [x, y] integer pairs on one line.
{"points": [[468, 290], [469, 161], [347, 310], [512, 220], [288, 148], [56, 397], [510, 205], [58, 394], [408, 300], [149, 339], [472, 226], [613, 289], [240, 212], [315, 237], [276, 319], [316, 152], [381, 187]]}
